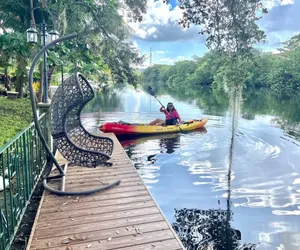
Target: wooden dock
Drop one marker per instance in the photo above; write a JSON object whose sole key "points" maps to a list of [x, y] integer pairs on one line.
{"points": [[124, 217]]}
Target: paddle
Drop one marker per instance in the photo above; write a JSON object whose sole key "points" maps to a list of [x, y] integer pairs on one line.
{"points": [[152, 93]]}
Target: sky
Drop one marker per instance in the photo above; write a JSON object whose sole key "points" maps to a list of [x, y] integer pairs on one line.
{"points": [[170, 42]]}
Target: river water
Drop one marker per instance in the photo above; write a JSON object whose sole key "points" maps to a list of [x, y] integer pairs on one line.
{"points": [[234, 184]]}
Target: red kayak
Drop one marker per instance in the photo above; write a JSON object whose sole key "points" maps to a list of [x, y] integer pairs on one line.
{"points": [[122, 128]]}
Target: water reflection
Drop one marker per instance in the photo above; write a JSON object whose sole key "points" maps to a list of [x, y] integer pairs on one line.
{"points": [[211, 229], [167, 142], [189, 172], [106, 100], [208, 229]]}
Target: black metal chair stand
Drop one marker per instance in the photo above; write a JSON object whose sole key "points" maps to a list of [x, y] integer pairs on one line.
{"points": [[73, 141]]}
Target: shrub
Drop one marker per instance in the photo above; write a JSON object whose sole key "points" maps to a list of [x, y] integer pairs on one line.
{"points": [[15, 116]]}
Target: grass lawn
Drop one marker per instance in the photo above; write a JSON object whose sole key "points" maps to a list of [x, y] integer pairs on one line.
{"points": [[15, 115]]}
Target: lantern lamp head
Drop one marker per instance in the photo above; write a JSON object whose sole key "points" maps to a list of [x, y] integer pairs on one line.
{"points": [[32, 35], [53, 35]]}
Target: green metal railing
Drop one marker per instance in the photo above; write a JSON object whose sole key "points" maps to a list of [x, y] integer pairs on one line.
{"points": [[22, 160]]}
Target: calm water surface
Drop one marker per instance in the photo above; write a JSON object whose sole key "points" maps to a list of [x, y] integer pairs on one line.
{"points": [[218, 193]]}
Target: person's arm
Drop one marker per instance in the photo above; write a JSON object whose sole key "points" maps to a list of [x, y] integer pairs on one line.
{"points": [[163, 110], [178, 118]]}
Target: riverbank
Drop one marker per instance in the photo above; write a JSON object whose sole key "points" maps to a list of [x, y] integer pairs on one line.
{"points": [[15, 116]]}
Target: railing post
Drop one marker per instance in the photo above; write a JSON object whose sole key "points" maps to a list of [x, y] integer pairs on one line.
{"points": [[26, 165], [45, 108]]}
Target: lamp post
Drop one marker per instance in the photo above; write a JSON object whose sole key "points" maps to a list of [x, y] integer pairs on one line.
{"points": [[32, 37]]}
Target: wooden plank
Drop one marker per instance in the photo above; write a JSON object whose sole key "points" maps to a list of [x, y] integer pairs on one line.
{"points": [[85, 220], [95, 226], [100, 172], [38, 213], [127, 215], [158, 245], [96, 208], [100, 235], [67, 206], [123, 173], [121, 242], [171, 229]]}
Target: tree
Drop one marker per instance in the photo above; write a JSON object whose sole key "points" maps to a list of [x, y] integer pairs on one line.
{"points": [[231, 30], [100, 26], [230, 25], [292, 44], [107, 38], [207, 67], [151, 76], [13, 46]]}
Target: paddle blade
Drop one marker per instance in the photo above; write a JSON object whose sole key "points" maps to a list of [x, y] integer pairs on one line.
{"points": [[150, 91]]}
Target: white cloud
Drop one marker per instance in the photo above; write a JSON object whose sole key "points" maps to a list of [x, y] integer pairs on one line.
{"points": [[160, 23], [269, 4], [282, 18], [285, 2], [161, 52], [281, 23], [275, 51]]}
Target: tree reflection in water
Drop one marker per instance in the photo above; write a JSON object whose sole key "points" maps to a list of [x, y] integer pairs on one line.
{"points": [[210, 229]]}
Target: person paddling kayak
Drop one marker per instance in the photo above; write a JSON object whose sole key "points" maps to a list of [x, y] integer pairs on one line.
{"points": [[172, 116]]}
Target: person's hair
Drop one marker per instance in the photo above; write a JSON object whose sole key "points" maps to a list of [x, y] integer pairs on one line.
{"points": [[171, 104]]}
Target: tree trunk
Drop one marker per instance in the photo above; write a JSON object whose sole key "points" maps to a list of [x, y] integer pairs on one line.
{"points": [[6, 83], [21, 67], [32, 14], [19, 88], [62, 18], [50, 73]]}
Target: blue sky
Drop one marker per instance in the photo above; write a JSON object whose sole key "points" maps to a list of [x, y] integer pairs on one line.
{"points": [[160, 31]]}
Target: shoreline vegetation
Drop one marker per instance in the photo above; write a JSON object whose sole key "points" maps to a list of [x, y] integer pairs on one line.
{"points": [[277, 72], [15, 116]]}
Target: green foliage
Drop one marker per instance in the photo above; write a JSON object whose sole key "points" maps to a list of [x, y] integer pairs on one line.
{"points": [[232, 73], [231, 29], [15, 116], [103, 42], [264, 102], [230, 25], [292, 44], [278, 72], [13, 45], [2, 89], [103, 36], [285, 76]]}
